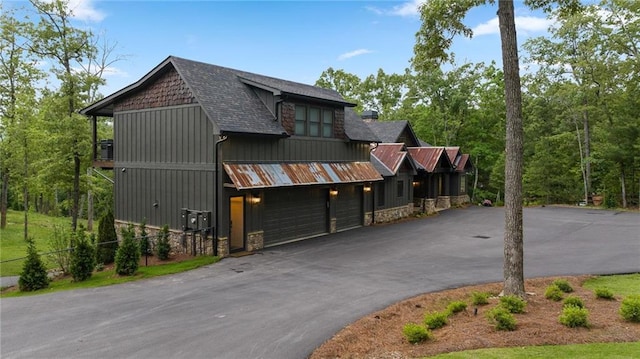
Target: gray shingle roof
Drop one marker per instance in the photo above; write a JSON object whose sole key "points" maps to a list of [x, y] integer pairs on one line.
{"points": [[230, 102], [356, 129], [388, 131]]}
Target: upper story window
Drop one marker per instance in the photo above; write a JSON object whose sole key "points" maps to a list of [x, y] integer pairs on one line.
{"points": [[314, 121]]}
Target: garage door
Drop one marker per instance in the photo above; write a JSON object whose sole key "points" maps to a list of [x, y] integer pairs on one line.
{"points": [[349, 207], [294, 213]]}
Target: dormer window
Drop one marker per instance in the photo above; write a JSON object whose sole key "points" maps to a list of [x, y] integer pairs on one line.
{"points": [[314, 121]]}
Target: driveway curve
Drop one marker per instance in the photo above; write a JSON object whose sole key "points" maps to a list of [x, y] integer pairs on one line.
{"points": [[287, 300]]}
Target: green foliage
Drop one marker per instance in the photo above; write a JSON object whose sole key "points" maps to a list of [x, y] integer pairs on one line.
{"points": [[513, 304], [163, 247], [456, 307], [564, 285], [145, 247], [553, 293], [60, 248], [107, 239], [604, 293], [34, 274], [573, 317], [623, 284], [630, 308], [435, 320], [83, 258], [501, 319], [128, 254], [415, 333], [574, 301], [479, 298]]}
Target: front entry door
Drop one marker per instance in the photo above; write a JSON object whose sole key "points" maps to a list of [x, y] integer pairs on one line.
{"points": [[236, 223]]}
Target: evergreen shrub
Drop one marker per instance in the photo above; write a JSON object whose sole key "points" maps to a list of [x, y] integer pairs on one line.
{"points": [[415, 333], [564, 285], [630, 308], [501, 318], [574, 317], [513, 303], [479, 298], [435, 320], [83, 257], [456, 307], [34, 273], [107, 239], [604, 293], [163, 247], [553, 293], [575, 301], [128, 253]]}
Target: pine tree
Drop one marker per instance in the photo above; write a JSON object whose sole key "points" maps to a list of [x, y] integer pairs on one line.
{"points": [[128, 254], [107, 239], [145, 249], [83, 258], [163, 248], [34, 273]]}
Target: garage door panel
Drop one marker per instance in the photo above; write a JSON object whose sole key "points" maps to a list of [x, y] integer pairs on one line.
{"points": [[294, 213], [349, 211]]}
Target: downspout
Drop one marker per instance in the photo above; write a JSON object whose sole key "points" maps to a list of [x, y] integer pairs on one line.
{"points": [[373, 192], [221, 138]]}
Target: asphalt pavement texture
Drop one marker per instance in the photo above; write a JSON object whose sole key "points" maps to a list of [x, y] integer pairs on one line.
{"points": [[285, 301]]}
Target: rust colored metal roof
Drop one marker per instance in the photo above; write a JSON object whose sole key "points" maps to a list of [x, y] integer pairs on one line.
{"points": [[264, 175], [390, 155], [464, 164], [427, 158], [453, 153]]}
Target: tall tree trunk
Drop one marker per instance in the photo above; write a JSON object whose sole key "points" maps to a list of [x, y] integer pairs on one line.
{"points": [[623, 187], [583, 170], [76, 191], [4, 199], [513, 232], [89, 203], [587, 146], [25, 191]]}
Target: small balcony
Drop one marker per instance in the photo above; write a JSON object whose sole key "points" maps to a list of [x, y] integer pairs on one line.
{"points": [[105, 161]]}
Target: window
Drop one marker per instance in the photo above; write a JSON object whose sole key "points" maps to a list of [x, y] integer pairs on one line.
{"points": [[463, 184], [400, 188], [313, 121]]}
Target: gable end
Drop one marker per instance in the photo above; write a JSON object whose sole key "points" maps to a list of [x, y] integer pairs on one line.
{"points": [[167, 90]]}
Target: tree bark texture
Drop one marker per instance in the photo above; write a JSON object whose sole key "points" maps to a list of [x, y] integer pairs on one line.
{"points": [[4, 199], [513, 232]]}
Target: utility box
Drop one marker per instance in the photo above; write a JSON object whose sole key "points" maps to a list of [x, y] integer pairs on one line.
{"points": [[106, 150]]}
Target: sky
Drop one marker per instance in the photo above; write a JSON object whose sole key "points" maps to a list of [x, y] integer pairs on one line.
{"points": [[292, 40]]}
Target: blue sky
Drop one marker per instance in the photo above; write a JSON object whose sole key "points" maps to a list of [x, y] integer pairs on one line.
{"points": [[293, 40]]}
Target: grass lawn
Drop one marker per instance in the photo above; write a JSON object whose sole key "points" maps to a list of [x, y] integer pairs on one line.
{"points": [[108, 277], [622, 285], [12, 244], [585, 351]]}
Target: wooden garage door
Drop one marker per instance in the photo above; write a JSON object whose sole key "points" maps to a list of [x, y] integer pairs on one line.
{"points": [[349, 207], [294, 213]]}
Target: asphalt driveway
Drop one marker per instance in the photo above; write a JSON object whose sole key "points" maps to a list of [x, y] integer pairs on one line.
{"points": [[287, 300]]}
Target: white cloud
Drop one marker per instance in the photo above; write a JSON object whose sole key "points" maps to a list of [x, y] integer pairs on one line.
{"points": [[524, 24], [409, 8], [85, 10], [114, 71], [354, 53]]}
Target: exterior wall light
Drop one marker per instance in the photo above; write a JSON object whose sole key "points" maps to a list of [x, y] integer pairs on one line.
{"points": [[333, 191], [255, 198], [367, 187], [416, 183]]}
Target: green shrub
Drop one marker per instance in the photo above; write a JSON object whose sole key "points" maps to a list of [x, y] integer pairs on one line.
{"points": [[630, 308], [564, 285], [163, 247], [416, 333], [456, 307], [60, 248], [435, 320], [34, 274], [574, 317], [501, 318], [128, 253], [513, 303], [83, 257], [604, 293], [145, 248], [575, 301], [107, 240], [479, 298], [553, 293]]}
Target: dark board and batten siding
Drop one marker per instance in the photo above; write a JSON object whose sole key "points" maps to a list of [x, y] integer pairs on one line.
{"points": [[174, 147], [252, 150]]}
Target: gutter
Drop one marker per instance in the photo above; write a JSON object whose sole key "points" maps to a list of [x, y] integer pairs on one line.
{"points": [[221, 138]]}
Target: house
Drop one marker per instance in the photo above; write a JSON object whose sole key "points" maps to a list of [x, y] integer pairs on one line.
{"points": [[439, 173], [235, 161]]}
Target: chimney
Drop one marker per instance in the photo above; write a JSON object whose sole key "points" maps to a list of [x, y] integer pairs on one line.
{"points": [[370, 115]]}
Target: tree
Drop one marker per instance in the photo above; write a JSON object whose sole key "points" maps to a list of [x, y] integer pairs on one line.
{"points": [[83, 257], [34, 273], [107, 239], [128, 254], [55, 39], [163, 248], [441, 22]]}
